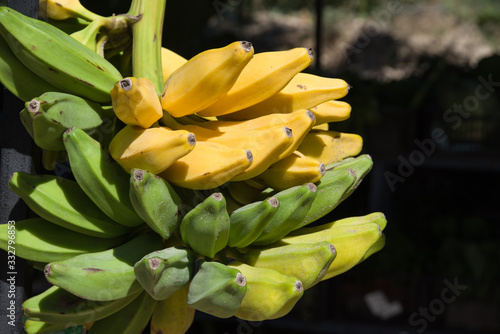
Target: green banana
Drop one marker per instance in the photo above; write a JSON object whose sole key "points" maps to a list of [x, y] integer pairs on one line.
{"points": [[57, 57], [308, 262], [58, 306], [217, 289], [269, 294], [100, 177], [17, 78], [155, 201], [248, 221], [295, 202], [131, 319], [206, 227], [39, 327], [47, 116], [106, 275], [40, 240], [361, 165], [163, 272], [376, 247], [62, 202]]}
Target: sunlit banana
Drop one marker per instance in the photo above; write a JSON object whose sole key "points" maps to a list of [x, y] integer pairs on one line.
{"points": [[62, 202], [205, 78], [40, 240], [269, 294], [330, 146], [331, 111], [265, 75], [304, 91], [106, 275], [321, 127], [217, 289], [153, 149], [243, 192], [100, 177], [170, 62], [39, 327], [173, 315], [64, 9], [135, 102]]}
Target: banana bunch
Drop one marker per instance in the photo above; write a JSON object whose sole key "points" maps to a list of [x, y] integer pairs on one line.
{"points": [[192, 182]]}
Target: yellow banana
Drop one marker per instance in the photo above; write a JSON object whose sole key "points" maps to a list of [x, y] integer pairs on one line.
{"points": [[243, 192], [294, 170], [330, 146], [304, 91], [269, 294], [204, 79], [331, 111], [321, 127], [135, 102], [170, 62], [153, 149], [265, 75], [173, 315], [208, 166], [65, 9]]}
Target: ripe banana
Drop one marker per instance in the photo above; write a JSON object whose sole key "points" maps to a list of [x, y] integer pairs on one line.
{"points": [[162, 273], [65, 9], [173, 315], [206, 227], [269, 294], [376, 247], [330, 146], [106, 275], [100, 177], [243, 192], [62, 202], [248, 222], [294, 202], [40, 240], [170, 62], [135, 102], [17, 78], [57, 57], [152, 149], [155, 201], [304, 91], [131, 319], [331, 111], [308, 262], [205, 78], [47, 116], [60, 307], [265, 75], [293, 170], [321, 127], [208, 165], [217, 289]]}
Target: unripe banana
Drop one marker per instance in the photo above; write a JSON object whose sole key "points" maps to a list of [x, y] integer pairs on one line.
{"points": [[243, 192], [208, 166], [269, 294], [39, 327], [162, 273], [331, 111], [293, 170], [308, 262], [106, 275], [47, 116], [248, 222], [294, 202], [330, 146], [155, 201], [205, 78], [206, 227], [153, 149], [170, 62], [217, 289], [376, 247], [135, 102], [65, 9], [57, 57], [100, 177], [265, 75], [62, 202], [40, 240], [131, 319], [173, 315], [304, 91], [60, 307]]}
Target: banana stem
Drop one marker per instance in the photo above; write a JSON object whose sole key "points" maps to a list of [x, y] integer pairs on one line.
{"points": [[146, 40]]}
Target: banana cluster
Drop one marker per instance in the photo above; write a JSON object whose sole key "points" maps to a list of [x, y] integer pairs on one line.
{"points": [[192, 197]]}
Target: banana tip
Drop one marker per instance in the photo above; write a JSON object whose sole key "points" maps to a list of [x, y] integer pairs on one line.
{"points": [[273, 201], [312, 187], [217, 196], [154, 263], [138, 175], [322, 169], [34, 106], [191, 139], [125, 84], [288, 131], [247, 46], [249, 155], [240, 279], [47, 270], [299, 286]]}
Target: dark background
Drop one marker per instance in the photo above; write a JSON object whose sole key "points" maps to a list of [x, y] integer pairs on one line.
{"points": [[407, 69]]}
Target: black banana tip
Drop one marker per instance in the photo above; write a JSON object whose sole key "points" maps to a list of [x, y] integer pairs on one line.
{"points": [[247, 46], [311, 115], [310, 52], [154, 263], [249, 155], [288, 131], [217, 196], [126, 84], [138, 175], [191, 139], [34, 106], [333, 249], [273, 201], [322, 169], [240, 279], [47, 270], [299, 286]]}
